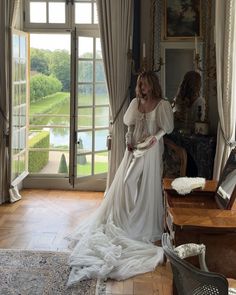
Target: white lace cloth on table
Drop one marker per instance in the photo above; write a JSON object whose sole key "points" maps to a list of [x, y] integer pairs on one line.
{"points": [[184, 185]]}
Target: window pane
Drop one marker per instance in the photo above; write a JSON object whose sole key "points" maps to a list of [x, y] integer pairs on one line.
{"points": [[98, 48], [22, 161], [85, 71], [22, 47], [16, 42], [15, 141], [95, 14], [85, 95], [100, 74], [85, 118], [101, 163], [57, 13], [84, 166], [38, 12], [23, 93], [15, 117], [23, 70], [85, 142], [22, 139], [85, 47], [83, 13], [101, 140], [16, 70], [14, 167], [101, 94], [15, 94], [22, 115], [101, 116]]}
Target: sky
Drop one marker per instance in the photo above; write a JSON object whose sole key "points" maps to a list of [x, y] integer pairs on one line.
{"points": [[50, 41], [61, 41]]}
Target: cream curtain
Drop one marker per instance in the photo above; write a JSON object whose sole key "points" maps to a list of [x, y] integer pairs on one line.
{"points": [[115, 21], [226, 81], [8, 9]]}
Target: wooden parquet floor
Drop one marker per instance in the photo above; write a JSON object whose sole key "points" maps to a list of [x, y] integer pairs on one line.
{"points": [[41, 220]]}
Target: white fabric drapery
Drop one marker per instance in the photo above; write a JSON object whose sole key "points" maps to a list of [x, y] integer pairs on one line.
{"points": [[115, 22], [8, 9], [226, 79]]}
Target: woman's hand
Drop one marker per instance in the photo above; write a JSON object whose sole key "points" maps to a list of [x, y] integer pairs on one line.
{"points": [[149, 142], [152, 141]]}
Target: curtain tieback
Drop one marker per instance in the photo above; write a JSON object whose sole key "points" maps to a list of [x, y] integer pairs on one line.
{"points": [[231, 144], [109, 137], [121, 106]]}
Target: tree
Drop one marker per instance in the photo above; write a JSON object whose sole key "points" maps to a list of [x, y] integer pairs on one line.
{"points": [[60, 67], [42, 85], [39, 61]]}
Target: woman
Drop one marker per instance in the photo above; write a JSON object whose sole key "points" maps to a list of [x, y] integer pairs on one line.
{"points": [[116, 241], [189, 105]]}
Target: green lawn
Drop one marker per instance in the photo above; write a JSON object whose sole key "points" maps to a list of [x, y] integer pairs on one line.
{"points": [[85, 170], [49, 103]]}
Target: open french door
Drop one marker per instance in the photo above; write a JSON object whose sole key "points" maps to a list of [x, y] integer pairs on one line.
{"points": [[89, 112], [19, 108]]}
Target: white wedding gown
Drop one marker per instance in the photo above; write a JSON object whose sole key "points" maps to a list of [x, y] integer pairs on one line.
{"points": [[116, 241]]}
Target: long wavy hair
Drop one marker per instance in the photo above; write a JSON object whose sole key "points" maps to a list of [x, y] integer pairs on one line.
{"points": [[152, 81], [189, 88]]}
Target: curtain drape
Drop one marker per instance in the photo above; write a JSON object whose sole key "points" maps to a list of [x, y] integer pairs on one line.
{"points": [[115, 22], [8, 10], [225, 69]]}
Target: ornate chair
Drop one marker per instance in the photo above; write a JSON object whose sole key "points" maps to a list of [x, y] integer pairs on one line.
{"points": [[174, 160], [188, 279]]}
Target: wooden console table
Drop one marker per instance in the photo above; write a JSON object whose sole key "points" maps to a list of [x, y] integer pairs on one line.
{"points": [[195, 218]]}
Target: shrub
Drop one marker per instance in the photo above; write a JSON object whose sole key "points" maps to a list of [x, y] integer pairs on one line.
{"points": [[38, 159], [63, 165], [42, 85]]}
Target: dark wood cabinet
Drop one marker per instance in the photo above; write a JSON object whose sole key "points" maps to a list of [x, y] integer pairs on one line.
{"points": [[200, 153]]}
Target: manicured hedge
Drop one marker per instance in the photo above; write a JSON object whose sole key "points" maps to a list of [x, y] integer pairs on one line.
{"points": [[38, 159]]}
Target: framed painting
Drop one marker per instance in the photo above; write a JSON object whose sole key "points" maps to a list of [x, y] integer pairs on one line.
{"points": [[182, 19]]}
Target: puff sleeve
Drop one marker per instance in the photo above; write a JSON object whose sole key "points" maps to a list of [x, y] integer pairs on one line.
{"points": [[165, 118], [129, 120], [130, 114]]}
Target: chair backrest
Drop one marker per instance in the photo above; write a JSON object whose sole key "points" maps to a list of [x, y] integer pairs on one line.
{"points": [[189, 280], [174, 160]]}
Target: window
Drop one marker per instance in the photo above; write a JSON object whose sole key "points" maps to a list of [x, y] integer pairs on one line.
{"points": [[60, 14], [77, 133]]}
